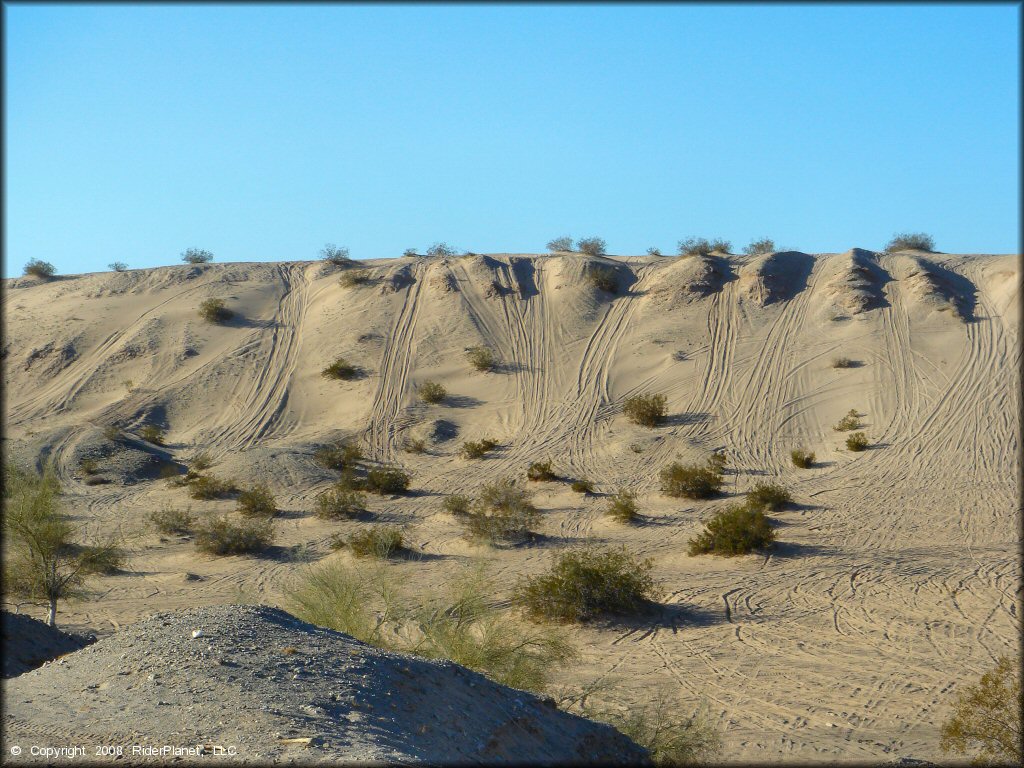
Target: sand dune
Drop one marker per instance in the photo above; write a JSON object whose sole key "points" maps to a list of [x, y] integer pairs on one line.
{"points": [[896, 573]]}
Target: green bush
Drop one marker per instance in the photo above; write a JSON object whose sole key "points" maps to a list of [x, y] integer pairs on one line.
{"points": [[384, 480], [622, 506], [801, 458], [171, 520], [759, 247], [441, 249], [44, 270], [478, 449], [337, 503], [540, 470], [850, 421], [257, 501], [582, 486], [911, 241], [337, 256], [215, 311], [645, 410], [209, 487], [503, 512], [353, 277], [196, 256], [856, 442], [588, 583], [432, 392], [691, 481], [699, 246], [736, 530], [986, 717], [769, 495], [223, 536], [603, 278], [152, 433], [481, 358], [104, 559], [118, 266], [717, 462], [381, 543], [456, 504], [340, 369], [560, 245], [345, 453]]}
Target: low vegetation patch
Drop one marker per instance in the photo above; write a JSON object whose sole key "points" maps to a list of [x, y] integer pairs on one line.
{"points": [[587, 583], [224, 536], [699, 246], [603, 278], [257, 501], [379, 542], [540, 470], [582, 486], [385, 480], [622, 507], [340, 369], [43, 270], [172, 520], [482, 358], [646, 410], [760, 247], [89, 466], [717, 462], [502, 513], [215, 311], [201, 462], [345, 453], [335, 255], [457, 504], [986, 719], [477, 449], [117, 266], [735, 530], [152, 433], [353, 277], [911, 241], [771, 496], [801, 458], [209, 487], [432, 392], [441, 249], [856, 442], [850, 421], [691, 481], [339, 503], [416, 445]]}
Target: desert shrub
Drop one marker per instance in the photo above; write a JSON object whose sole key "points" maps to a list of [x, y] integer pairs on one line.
{"points": [[337, 503], [758, 247], [456, 504], [477, 449], [587, 583], [335, 255], [340, 369], [441, 249], [345, 453], [560, 245], [201, 462], [910, 241], [653, 252], [603, 278], [384, 480], [224, 536], [152, 433], [381, 542], [215, 311], [118, 266], [856, 442], [111, 432], [169, 471], [209, 487], [540, 470], [481, 358], [89, 466], [409, 252], [622, 506], [592, 246], [257, 501], [690, 480], [416, 445], [717, 461], [850, 421], [432, 392], [44, 270], [354, 277], [103, 559], [769, 495], [196, 256], [502, 512], [582, 486], [168, 519], [842, 362], [735, 530], [801, 458], [645, 410], [699, 246], [986, 718]]}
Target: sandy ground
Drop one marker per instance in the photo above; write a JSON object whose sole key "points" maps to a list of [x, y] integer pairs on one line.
{"points": [[896, 575]]}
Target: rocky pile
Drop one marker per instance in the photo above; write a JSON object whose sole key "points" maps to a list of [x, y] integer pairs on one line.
{"points": [[259, 682]]}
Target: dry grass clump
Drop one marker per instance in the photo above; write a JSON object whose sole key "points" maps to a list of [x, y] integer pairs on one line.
{"points": [[201, 462], [209, 487], [502, 513], [380, 542], [540, 470], [416, 445], [603, 278], [850, 421], [152, 433], [89, 466], [215, 311], [345, 453], [587, 583], [432, 392], [769, 495], [856, 442], [691, 481], [111, 432], [646, 410], [196, 256], [44, 270], [340, 369], [478, 449], [699, 246], [339, 503], [560, 245], [457, 504], [257, 501], [622, 507], [592, 246], [735, 530], [353, 277], [911, 241], [759, 247], [801, 458], [582, 486], [171, 520], [843, 362], [224, 536], [385, 480], [482, 358]]}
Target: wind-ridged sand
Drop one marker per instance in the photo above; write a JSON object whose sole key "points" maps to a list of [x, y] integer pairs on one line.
{"points": [[895, 578]]}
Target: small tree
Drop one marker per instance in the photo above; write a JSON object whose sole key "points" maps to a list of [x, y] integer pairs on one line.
{"points": [[118, 266], [654, 251], [335, 255], [987, 718], [560, 245], [911, 241], [645, 410], [196, 256], [441, 249], [759, 247], [409, 252], [44, 270], [592, 246]]}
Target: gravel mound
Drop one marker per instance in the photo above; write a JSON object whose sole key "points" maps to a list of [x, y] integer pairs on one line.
{"points": [[276, 689], [29, 642]]}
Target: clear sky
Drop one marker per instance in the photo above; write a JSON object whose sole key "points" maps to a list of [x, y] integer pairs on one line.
{"points": [[262, 132]]}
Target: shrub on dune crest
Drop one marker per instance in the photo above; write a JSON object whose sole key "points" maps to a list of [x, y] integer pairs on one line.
{"points": [[44, 270], [592, 246], [699, 246], [759, 247], [911, 241], [560, 245], [196, 256]]}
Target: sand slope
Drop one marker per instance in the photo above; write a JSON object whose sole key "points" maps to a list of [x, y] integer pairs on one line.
{"points": [[895, 574]]}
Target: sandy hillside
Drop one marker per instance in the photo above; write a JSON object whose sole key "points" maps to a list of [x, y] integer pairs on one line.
{"points": [[895, 577]]}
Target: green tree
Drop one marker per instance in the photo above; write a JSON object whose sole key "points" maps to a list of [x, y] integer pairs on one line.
{"points": [[987, 718]]}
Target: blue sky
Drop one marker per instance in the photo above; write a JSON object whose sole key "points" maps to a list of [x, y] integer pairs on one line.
{"points": [[262, 132]]}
